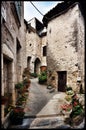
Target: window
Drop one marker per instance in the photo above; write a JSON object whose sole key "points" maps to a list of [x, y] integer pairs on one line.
{"points": [[44, 51]]}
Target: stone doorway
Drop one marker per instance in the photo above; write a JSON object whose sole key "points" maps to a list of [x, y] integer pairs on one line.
{"points": [[7, 74], [37, 65], [62, 79], [7, 81]]}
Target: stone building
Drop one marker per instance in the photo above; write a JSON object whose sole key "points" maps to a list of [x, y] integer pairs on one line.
{"points": [[35, 44], [23, 46], [65, 45], [13, 54]]}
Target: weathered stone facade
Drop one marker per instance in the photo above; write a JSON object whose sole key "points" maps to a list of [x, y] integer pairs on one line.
{"points": [[13, 48], [26, 44], [34, 47], [21, 48], [65, 48]]}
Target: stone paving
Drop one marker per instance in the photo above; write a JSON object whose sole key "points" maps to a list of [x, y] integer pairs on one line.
{"points": [[38, 97], [51, 117], [43, 109]]}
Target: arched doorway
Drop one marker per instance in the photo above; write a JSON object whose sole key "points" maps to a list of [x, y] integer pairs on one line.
{"points": [[37, 65]]}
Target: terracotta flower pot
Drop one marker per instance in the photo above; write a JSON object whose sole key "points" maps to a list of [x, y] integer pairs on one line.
{"points": [[67, 112], [17, 116], [4, 100]]}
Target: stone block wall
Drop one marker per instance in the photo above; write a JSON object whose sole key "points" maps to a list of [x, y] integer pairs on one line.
{"points": [[63, 37], [33, 48], [11, 33]]}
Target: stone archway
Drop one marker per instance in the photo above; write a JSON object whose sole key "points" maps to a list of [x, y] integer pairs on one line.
{"points": [[37, 65]]}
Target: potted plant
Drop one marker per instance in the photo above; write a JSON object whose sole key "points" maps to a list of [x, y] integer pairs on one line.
{"points": [[17, 115], [66, 109], [77, 107], [77, 113], [22, 100], [68, 98], [19, 85], [26, 82], [4, 99], [42, 79]]}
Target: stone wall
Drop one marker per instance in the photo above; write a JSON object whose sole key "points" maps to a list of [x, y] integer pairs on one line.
{"points": [[22, 37], [81, 48], [63, 37], [33, 48], [12, 32]]}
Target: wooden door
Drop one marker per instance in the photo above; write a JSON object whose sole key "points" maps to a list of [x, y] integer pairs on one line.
{"points": [[62, 78]]}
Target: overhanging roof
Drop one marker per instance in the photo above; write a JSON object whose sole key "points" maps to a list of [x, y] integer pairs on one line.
{"points": [[60, 9]]}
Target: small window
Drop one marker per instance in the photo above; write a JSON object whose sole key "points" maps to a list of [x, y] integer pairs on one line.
{"points": [[44, 51]]}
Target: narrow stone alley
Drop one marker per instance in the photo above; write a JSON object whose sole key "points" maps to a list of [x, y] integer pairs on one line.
{"points": [[42, 66], [38, 97]]}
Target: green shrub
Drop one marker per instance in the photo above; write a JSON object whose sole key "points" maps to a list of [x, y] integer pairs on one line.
{"points": [[19, 85], [77, 110], [42, 77], [33, 75]]}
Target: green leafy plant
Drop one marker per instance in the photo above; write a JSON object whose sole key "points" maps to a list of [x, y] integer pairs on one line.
{"points": [[68, 97], [19, 85], [21, 100], [77, 107], [33, 75], [42, 77], [70, 92], [8, 108]]}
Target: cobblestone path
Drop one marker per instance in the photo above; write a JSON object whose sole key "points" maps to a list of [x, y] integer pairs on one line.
{"points": [[38, 97]]}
